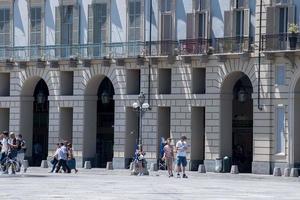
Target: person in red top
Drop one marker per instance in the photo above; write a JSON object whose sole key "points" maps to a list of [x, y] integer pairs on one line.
{"points": [[169, 156]]}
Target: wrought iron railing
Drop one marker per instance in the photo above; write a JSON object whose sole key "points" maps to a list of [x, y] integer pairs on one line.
{"points": [[194, 46], [280, 42], [232, 44], [125, 49]]}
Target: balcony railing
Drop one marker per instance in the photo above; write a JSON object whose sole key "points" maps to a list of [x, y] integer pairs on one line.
{"points": [[280, 42], [125, 49], [194, 46], [232, 44]]}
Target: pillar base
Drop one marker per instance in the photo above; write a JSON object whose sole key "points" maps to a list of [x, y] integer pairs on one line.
{"points": [[261, 167]]}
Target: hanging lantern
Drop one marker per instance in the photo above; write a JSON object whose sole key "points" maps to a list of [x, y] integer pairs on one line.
{"points": [[40, 98], [105, 97], [242, 95]]}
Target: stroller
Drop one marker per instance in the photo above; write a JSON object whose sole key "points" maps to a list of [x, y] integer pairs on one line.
{"points": [[162, 163]]}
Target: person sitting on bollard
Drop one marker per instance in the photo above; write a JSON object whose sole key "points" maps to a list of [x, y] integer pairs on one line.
{"points": [[140, 159]]}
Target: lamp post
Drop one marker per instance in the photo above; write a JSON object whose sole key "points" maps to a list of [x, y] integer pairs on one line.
{"points": [[140, 106]]}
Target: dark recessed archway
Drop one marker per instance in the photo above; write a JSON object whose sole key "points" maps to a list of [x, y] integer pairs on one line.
{"points": [[237, 120], [40, 123]]}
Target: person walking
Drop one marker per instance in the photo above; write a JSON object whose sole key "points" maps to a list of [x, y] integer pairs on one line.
{"points": [[4, 150], [54, 161], [169, 156], [71, 163], [62, 155], [21, 143], [181, 148]]}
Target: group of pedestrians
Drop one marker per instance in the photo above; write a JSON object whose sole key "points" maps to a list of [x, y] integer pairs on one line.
{"points": [[63, 158], [13, 150], [168, 157]]}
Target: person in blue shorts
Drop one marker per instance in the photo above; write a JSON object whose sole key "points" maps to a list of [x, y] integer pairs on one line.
{"points": [[181, 148]]}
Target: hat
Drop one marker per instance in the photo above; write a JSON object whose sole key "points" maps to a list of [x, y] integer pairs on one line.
{"points": [[11, 133]]}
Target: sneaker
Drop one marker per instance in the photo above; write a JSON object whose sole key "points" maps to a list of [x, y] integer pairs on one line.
{"points": [[170, 175], [184, 176], [178, 175]]}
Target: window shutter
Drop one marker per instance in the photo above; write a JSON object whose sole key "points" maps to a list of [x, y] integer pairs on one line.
{"points": [[207, 25], [91, 24], [76, 22], [43, 27], [190, 32], [291, 14], [270, 29], [228, 25], [58, 25], [246, 22]]}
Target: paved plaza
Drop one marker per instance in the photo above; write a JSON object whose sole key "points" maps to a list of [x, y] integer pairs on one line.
{"points": [[118, 184]]}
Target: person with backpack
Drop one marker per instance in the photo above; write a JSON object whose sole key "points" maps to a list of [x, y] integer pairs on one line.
{"points": [[21, 143]]}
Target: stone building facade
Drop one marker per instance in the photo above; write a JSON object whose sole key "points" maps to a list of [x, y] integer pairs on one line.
{"points": [[71, 70]]}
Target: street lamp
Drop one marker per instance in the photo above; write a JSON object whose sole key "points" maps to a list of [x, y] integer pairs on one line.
{"points": [[140, 106]]}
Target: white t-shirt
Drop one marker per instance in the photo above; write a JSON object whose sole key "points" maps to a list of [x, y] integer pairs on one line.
{"points": [[181, 148], [4, 145]]}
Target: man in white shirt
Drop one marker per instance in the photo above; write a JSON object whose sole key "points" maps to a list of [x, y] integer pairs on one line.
{"points": [[181, 148], [62, 156], [4, 149]]}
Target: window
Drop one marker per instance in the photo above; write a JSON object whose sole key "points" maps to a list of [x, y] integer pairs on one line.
{"points": [[280, 127], [283, 19], [35, 26], [166, 5], [280, 75], [201, 24], [133, 78], [164, 81], [239, 23], [198, 80], [134, 20], [67, 24], [4, 27], [100, 23]]}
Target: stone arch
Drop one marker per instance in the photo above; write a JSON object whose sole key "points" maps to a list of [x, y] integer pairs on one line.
{"points": [[232, 68], [233, 114], [94, 76], [294, 109], [93, 108], [30, 77]]}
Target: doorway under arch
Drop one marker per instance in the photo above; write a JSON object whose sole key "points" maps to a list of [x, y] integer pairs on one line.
{"points": [[99, 121], [35, 119], [237, 121]]}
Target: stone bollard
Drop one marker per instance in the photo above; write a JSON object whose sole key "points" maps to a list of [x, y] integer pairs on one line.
{"points": [[201, 169], [234, 169], [109, 166], [286, 172], [87, 165], [153, 167], [25, 165], [277, 171], [294, 172], [44, 164]]}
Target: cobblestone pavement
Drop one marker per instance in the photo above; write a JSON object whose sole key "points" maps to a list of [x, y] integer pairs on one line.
{"points": [[118, 184]]}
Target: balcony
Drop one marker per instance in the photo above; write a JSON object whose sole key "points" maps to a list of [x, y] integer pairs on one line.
{"points": [[280, 43], [194, 46], [162, 48], [230, 45]]}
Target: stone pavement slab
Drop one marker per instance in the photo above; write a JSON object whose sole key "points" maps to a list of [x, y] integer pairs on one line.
{"points": [[118, 184]]}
